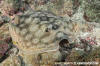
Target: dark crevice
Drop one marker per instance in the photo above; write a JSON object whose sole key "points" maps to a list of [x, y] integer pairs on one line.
{"points": [[3, 58], [63, 44], [65, 48]]}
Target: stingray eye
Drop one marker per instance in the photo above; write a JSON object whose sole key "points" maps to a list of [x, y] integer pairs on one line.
{"points": [[55, 27]]}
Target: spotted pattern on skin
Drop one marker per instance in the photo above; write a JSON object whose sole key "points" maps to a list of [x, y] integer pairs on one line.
{"points": [[44, 36], [37, 28]]}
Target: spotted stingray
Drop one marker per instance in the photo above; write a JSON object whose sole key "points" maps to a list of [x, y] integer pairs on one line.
{"points": [[38, 32]]}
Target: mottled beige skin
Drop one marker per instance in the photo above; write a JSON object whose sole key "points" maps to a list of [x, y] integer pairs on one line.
{"points": [[37, 36], [35, 40], [32, 36]]}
